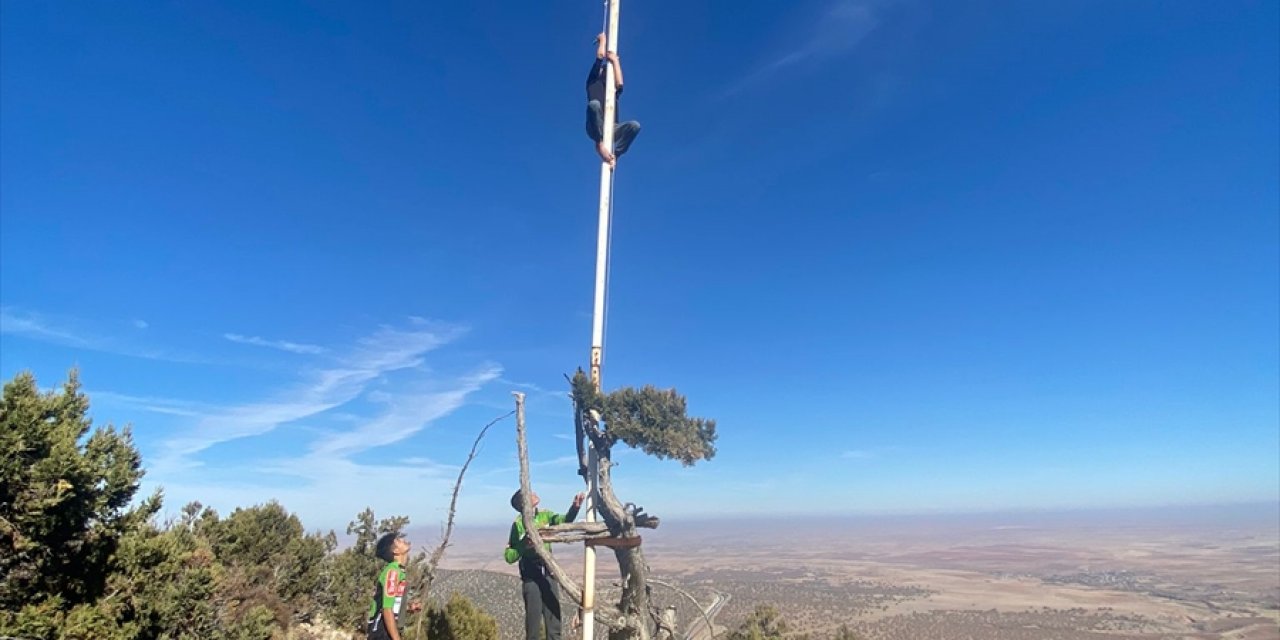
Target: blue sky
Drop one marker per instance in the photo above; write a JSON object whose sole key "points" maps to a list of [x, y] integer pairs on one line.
{"points": [[913, 256]]}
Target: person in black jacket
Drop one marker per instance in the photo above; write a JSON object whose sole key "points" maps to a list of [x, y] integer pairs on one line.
{"points": [[623, 132], [538, 587]]}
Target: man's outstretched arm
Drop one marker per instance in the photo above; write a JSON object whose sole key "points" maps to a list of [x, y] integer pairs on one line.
{"points": [[573, 510]]}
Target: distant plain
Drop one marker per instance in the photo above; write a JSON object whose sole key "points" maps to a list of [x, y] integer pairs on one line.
{"points": [[1145, 574]]}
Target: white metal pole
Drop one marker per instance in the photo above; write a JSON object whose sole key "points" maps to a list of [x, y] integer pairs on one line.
{"points": [[589, 558], [606, 184], [597, 319]]}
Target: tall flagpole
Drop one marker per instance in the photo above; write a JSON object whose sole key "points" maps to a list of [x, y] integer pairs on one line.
{"points": [[597, 318], [606, 184]]}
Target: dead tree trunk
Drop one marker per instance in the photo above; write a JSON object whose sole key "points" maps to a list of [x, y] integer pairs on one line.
{"points": [[638, 616]]}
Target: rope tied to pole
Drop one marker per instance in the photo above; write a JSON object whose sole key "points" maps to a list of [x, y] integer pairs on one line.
{"points": [[608, 269]]}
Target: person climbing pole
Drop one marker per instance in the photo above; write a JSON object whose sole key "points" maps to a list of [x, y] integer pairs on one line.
{"points": [[384, 611], [623, 132], [538, 587]]}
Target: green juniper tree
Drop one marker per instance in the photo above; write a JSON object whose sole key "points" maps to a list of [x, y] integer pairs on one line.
{"points": [[65, 504], [459, 619], [81, 557], [764, 623]]}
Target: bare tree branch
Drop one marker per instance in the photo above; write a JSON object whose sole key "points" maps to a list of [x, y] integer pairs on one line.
{"points": [[453, 501], [610, 509], [579, 439], [711, 630], [428, 573], [622, 521]]}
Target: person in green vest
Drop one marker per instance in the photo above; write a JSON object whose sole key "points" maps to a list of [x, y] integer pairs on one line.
{"points": [[538, 587], [384, 612]]}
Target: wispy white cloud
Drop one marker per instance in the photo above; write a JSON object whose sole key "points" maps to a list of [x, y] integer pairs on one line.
{"points": [[328, 490], [537, 392], [843, 25], [167, 406], [140, 324], [35, 326], [512, 465], [562, 461], [528, 386], [283, 345], [406, 414], [72, 332], [375, 392], [327, 485], [387, 350], [868, 454]]}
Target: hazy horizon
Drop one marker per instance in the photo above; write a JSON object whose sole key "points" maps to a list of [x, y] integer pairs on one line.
{"points": [[1253, 516]]}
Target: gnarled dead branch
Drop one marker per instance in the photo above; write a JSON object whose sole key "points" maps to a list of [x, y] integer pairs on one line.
{"points": [[428, 572]]}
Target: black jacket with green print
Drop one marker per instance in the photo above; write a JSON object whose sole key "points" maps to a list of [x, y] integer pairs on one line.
{"points": [[530, 564]]}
